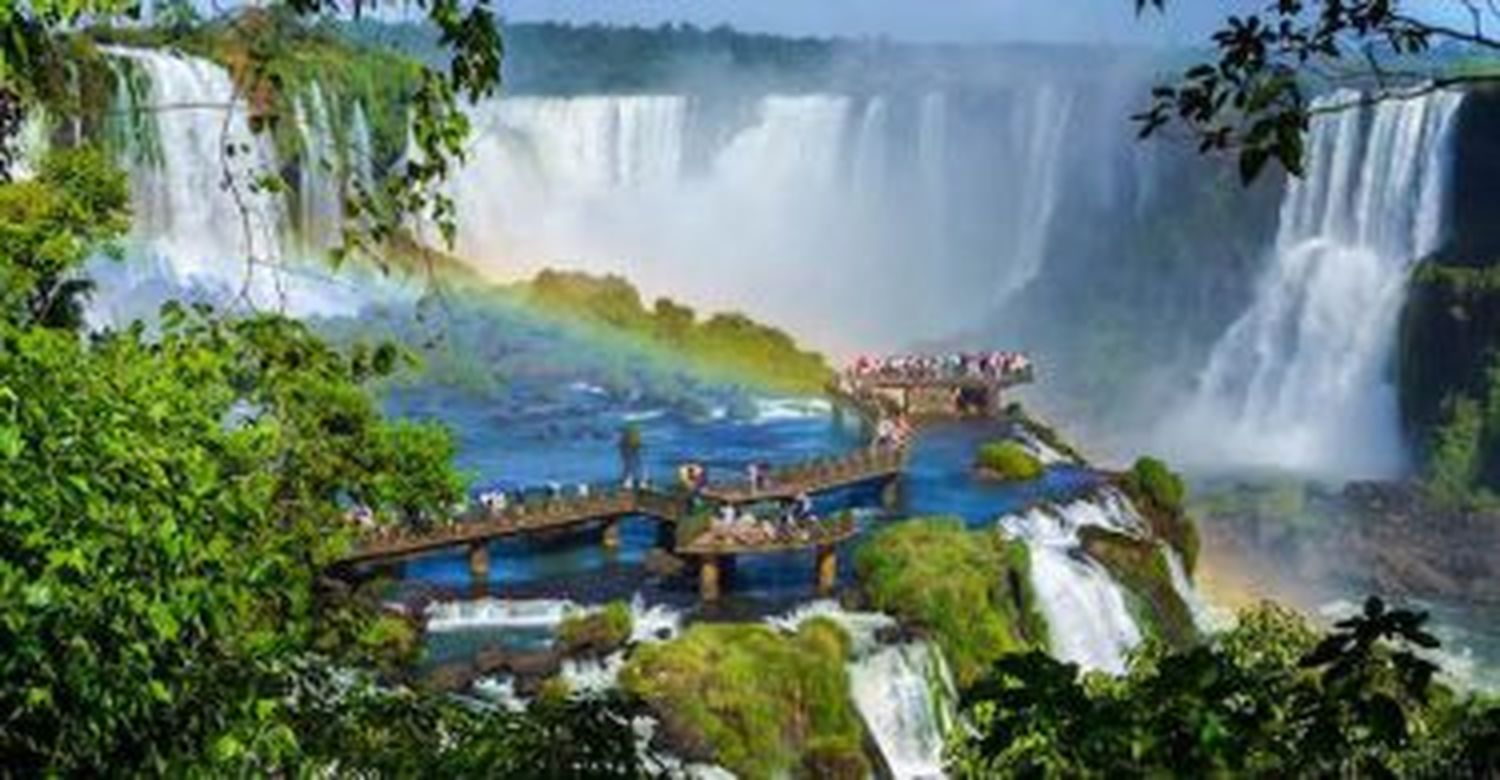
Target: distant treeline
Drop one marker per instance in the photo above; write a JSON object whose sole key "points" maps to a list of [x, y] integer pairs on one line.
{"points": [[553, 58]]}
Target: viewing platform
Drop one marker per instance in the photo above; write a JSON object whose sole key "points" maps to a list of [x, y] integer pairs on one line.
{"points": [[925, 387], [696, 535]]}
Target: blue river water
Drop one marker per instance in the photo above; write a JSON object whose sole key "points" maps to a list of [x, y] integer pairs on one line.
{"points": [[571, 439]]}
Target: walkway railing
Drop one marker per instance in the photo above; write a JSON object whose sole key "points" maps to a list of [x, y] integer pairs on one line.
{"points": [[672, 507], [769, 536]]}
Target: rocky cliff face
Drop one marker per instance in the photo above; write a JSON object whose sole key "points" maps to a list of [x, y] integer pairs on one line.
{"points": [[1450, 327]]}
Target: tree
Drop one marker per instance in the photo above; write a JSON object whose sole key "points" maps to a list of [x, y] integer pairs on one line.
{"points": [[169, 503], [1267, 698], [48, 227], [34, 33], [1253, 98]]}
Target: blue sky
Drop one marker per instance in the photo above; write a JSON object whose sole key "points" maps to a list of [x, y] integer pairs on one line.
{"points": [[1112, 21]]}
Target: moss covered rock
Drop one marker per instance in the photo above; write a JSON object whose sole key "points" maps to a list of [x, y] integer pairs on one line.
{"points": [[595, 633], [1006, 461], [1160, 495], [969, 590], [1140, 566], [760, 702]]}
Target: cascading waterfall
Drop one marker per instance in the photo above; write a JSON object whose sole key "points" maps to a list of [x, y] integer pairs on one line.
{"points": [[197, 208], [204, 228], [906, 697], [1087, 618], [810, 210], [319, 191], [904, 692], [1300, 381]]}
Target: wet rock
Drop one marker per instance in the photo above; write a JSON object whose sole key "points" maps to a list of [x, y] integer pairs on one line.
{"points": [[661, 563], [535, 664], [491, 660], [450, 678]]}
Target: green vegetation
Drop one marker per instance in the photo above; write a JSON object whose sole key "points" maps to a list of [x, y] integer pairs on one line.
{"points": [[597, 633], [1266, 699], [969, 589], [759, 702], [1140, 566], [172, 501], [728, 345], [1006, 461], [1449, 363], [1161, 496]]}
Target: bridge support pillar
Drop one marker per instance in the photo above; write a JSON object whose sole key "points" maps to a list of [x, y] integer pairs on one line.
{"points": [[612, 533], [828, 568], [890, 493], [709, 578], [479, 564]]}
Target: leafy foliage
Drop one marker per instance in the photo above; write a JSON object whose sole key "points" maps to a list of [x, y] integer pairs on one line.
{"points": [[169, 502], [48, 227], [970, 589], [33, 37], [1253, 100], [1266, 698]]}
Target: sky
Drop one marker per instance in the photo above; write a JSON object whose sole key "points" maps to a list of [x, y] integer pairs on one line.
{"points": [[961, 21]]}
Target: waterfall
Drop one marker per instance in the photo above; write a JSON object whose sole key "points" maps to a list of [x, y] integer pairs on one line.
{"points": [[203, 226], [1301, 379], [197, 208], [1087, 618], [904, 692], [321, 173], [809, 211], [906, 697]]}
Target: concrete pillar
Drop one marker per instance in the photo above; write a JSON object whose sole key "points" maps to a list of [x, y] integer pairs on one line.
{"points": [[828, 568], [479, 563], [709, 585], [890, 493], [612, 533]]}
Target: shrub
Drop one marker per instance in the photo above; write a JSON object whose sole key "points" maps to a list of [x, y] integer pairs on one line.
{"points": [[1150, 479], [596, 632], [1008, 461], [759, 702], [961, 586], [1160, 495]]}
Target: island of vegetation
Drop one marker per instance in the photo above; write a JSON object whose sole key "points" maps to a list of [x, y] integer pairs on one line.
{"points": [[1006, 461], [756, 701], [969, 590]]}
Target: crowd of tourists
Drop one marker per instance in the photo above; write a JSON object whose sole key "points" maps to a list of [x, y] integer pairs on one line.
{"points": [[733, 527], [952, 366]]}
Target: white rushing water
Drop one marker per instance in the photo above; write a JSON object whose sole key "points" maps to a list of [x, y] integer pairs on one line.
{"points": [[904, 692], [906, 697], [1302, 379], [498, 614], [202, 222], [807, 210], [1088, 621]]}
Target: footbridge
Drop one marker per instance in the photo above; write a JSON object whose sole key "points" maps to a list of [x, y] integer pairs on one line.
{"points": [[687, 513], [888, 393]]}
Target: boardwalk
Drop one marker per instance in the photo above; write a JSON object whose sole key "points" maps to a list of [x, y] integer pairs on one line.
{"points": [[817, 476], [878, 396], [672, 507]]}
